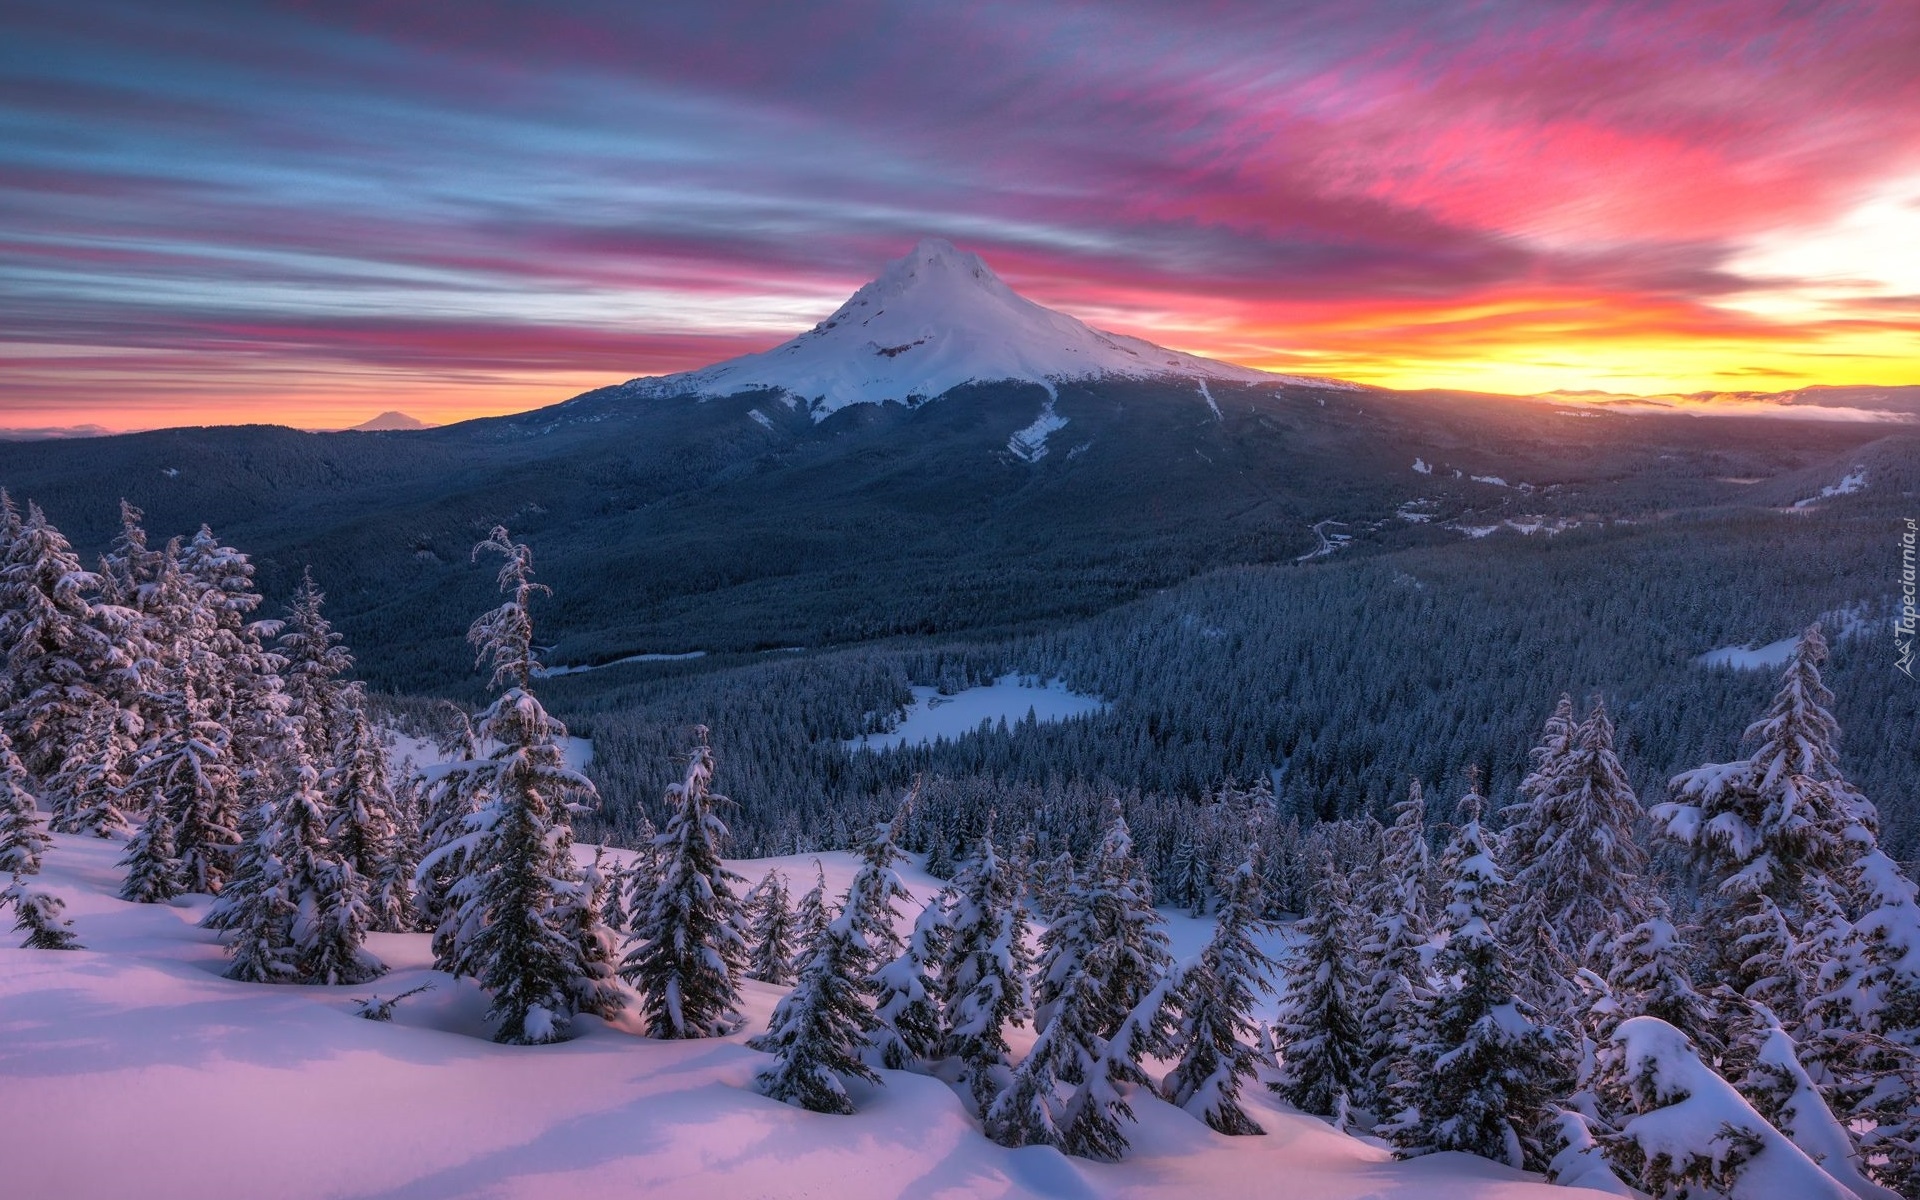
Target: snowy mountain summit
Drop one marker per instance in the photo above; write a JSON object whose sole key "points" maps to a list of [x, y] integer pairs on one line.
{"points": [[932, 321]]}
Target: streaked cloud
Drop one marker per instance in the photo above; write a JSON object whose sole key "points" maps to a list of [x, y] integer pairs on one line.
{"points": [[229, 212]]}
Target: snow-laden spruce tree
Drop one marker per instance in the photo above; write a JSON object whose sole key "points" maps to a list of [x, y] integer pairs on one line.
{"points": [[1486, 1071], [241, 676], [820, 1031], [1689, 1133], [687, 945], [1768, 831], [154, 871], [1650, 974], [88, 792], [983, 972], [1322, 1039], [1395, 947], [580, 910], [515, 925], [1103, 978], [770, 931], [893, 975], [1879, 1056], [453, 791], [1109, 925], [56, 646], [37, 914], [314, 668], [643, 872], [1052, 880], [1575, 867], [877, 888], [614, 910], [188, 765], [905, 996], [295, 911], [1764, 1066], [1187, 879], [23, 834], [1214, 1000], [1525, 819], [811, 918], [363, 830]]}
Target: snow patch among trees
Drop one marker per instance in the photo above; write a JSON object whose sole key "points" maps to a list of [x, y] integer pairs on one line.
{"points": [[1009, 698]]}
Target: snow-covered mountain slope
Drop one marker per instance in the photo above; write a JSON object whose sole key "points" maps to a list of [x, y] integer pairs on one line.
{"points": [[132, 1068], [932, 321]]}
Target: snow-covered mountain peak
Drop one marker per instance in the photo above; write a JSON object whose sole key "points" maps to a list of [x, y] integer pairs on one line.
{"points": [[929, 322]]}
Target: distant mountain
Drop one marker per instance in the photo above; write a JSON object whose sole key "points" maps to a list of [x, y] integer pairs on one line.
{"points": [[935, 320], [940, 457], [1842, 402], [47, 432], [389, 420]]}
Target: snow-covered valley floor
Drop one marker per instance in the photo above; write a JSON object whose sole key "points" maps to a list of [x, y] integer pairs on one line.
{"points": [[132, 1069]]}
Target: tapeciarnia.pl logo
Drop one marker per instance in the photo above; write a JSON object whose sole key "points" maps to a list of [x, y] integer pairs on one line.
{"points": [[1903, 626]]}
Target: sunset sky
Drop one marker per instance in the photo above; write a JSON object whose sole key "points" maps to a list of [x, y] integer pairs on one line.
{"points": [[309, 212]]}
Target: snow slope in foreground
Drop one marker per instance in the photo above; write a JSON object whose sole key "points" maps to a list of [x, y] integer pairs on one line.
{"points": [[132, 1069]]}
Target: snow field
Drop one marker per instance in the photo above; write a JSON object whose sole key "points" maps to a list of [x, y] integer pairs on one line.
{"points": [[1009, 698], [133, 1068]]}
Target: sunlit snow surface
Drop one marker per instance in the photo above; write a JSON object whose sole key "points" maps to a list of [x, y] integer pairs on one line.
{"points": [[133, 1069], [932, 716]]}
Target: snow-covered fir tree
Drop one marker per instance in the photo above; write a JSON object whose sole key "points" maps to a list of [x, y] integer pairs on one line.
{"points": [[515, 924], [130, 566], [905, 996], [37, 914], [363, 830], [614, 910], [820, 1030], [580, 909], [811, 918], [314, 669], [983, 972], [295, 911], [1575, 867], [893, 976], [1688, 1133], [1651, 975], [453, 793], [1767, 1071], [238, 681], [1768, 831], [57, 645], [1103, 977], [877, 889], [770, 931], [687, 944], [1878, 1056], [1111, 925], [1395, 948], [155, 874], [1187, 879], [1215, 1000], [1485, 1071], [188, 764], [88, 792], [1322, 1040], [23, 833]]}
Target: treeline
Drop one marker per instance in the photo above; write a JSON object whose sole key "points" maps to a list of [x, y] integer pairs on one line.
{"points": [[1334, 681]]}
